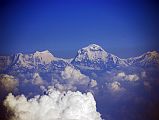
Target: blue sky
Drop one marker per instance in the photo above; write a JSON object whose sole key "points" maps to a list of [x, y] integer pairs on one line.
{"points": [[123, 27]]}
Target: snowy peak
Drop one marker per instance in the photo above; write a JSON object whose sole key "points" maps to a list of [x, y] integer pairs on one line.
{"points": [[152, 55], [148, 56], [43, 52], [92, 52], [44, 56], [31, 60], [146, 59], [94, 47], [94, 57], [22, 60]]}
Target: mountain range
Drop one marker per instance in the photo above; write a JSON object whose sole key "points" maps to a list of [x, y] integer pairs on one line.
{"points": [[117, 84], [92, 57]]}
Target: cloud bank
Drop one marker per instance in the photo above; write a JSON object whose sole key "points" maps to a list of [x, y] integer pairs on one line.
{"points": [[53, 106]]}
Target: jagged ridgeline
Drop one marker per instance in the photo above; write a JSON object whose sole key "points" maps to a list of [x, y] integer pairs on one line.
{"points": [[92, 57]]}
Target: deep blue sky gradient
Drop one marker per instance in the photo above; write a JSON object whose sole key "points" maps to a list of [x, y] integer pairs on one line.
{"points": [[123, 27]]}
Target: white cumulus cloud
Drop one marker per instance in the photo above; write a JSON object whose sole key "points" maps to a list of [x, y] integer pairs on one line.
{"points": [[115, 86], [129, 77], [53, 106], [93, 83], [133, 77], [37, 80], [74, 76], [8, 82], [121, 74]]}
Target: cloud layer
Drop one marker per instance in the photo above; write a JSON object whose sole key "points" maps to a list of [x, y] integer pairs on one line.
{"points": [[53, 106]]}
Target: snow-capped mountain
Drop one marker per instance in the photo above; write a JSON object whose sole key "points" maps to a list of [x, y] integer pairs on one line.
{"points": [[92, 52], [93, 69], [31, 61], [43, 57], [37, 61], [95, 57], [91, 57], [149, 59]]}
